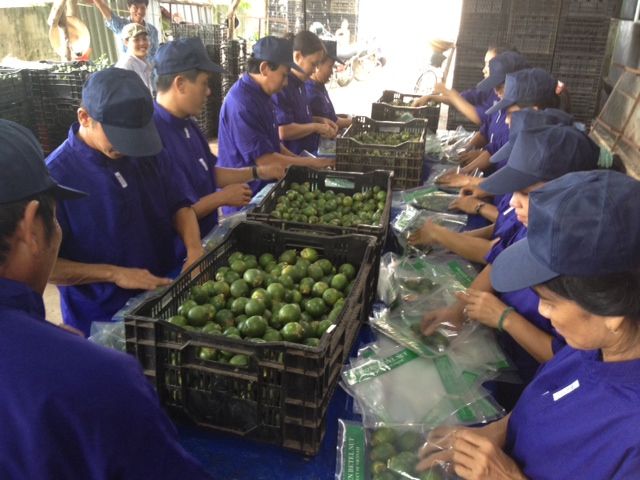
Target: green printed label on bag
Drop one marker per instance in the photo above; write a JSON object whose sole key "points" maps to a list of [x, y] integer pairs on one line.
{"points": [[419, 265], [408, 197], [368, 371], [463, 277], [452, 384], [353, 450]]}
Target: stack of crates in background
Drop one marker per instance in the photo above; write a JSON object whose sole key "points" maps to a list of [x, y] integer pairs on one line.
{"points": [[482, 24], [285, 16], [581, 45], [14, 102], [291, 16]]}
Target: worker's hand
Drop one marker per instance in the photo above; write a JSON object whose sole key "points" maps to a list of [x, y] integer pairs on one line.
{"points": [[467, 157], [474, 191], [136, 278], [331, 123], [437, 449], [476, 457], [322, 163], [480, 162], [483, 307], [466, 204], [432, 320], [427, 234], [193, 255], [325, 130], [453, 179], [272, 171], [236, 195], [422, 101]]}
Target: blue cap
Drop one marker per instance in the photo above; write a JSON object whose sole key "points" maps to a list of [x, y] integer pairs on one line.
{"points": [[582, 224], [499, 67], [331, 47], [182, 55], [121, 102], [275, 50], [532, 86], [541, 154], [528, 118], [24, 173]]}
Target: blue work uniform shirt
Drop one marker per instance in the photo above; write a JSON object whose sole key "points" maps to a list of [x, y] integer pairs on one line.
{"points": [[126, 220], [481, 100], [319, 101], [116, 24], [292, 106], [496, 131], [73, 409], [187, 148], [247, 130], [579, 418]]}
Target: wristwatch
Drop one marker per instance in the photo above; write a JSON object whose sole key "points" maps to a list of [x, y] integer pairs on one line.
{"points": [[478, 207], [254, 172]]}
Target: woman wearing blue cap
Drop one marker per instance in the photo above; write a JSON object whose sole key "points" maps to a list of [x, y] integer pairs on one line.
{"points": [[299, 129], [580, 416]]}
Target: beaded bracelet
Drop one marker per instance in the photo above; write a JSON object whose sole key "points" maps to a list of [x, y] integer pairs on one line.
{"points": [[503, 317]]}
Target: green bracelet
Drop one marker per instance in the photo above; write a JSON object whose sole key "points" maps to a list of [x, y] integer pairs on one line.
{"points": [[503, 317]]}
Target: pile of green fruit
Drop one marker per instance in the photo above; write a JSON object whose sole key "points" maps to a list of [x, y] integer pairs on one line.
{"points": [[301, 204], [294, 298], [386, 138], [393, 455]]}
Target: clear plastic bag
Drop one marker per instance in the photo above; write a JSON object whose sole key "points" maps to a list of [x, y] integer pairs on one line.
{"points": [[429, 198], [455, 142], [108, 334], [220, 232], [327, 147]]}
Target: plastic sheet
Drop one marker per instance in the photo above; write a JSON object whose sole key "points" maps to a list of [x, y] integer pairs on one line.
{"points": [[428, 198], [108, 334]]}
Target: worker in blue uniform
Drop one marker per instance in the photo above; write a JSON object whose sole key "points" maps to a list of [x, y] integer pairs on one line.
{"points": [[539, 155], [317, 95], [580, 416], [70, 408], [299, 129], [248, 130], [183, 69], [120, 239]]}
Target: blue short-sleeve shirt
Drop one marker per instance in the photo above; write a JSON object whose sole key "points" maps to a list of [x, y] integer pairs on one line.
{"points": [[496, 131], [116, 24], [481, 100], [126, 220], [292, 106], [579, 418], [59, 389], [187, 148], [319, 101]]}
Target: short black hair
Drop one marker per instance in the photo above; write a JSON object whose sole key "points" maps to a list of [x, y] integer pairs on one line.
{"points": [[614, 294], [253, 65], [164, 82], [307, 43], [135, 2], [12, 213]]}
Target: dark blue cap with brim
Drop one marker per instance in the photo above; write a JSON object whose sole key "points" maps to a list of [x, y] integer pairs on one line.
{"points": [[541, 154], [183, 55], [582, 224], [499, 67], [331, 48], [24, 173], [528, 118], [532, 86], [275, 50], [121, 102]]}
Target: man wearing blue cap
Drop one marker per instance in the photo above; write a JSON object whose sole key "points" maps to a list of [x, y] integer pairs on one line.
{"points": [[183, 69], [248, 131], [539, 155], [579, 418], [120, 239], [317, 95], [57, 388]]}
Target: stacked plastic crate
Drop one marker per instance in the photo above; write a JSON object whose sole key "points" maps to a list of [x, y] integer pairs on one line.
{"points": [[340, 10], [581, 46], [285, 16], [14, 103], [483, 23]]}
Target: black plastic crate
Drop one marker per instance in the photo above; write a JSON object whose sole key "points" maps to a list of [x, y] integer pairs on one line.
{"points": [[405, 159], [456, 119], [578, 35], [283, 394], [470, 56], [533, 33], [578, 64], [344, 6], [535, 7], [58, 84], [580, 84], [540, 60], [481, 30], [14, 102], [385, 109], [466, 77], [493, 7], [591, 8]]}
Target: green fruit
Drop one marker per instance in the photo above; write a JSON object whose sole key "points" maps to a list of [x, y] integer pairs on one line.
{"points": [[211, 311], [276, 290], [239, 267], [286, 281], [253, 327], [254, 307], [239, 319], [220, 288], [288, 257], [312, 341], [178, 320], [306, 328], [218, 301], [272, 335], [207, 353], [198, 316], [309, 254], [262, 295], [294, 272], [410, 441], [292, 332], [403, 463], [212, 328], [183, 309], [232, 331], [250, 261], [265, 259], [382, 452], [254, 277], [306, 284], [231, 277], [235, 256], [199, 295], [239, 304], [220, 273], [339, 281], [239, 361], [326, 265], [315, 307], [208, 286], [383, 435], [315, 271], [433, 473], [319, 288], [378, 467], [224, 318], [322, 327], [289, 313], [331, 296], [334, 314], [239, 288]]}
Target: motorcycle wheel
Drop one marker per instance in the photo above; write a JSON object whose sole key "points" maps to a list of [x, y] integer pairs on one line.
{"points": [[344, 77]]}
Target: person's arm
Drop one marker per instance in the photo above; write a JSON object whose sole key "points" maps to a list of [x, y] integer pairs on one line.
{"points": [[468, 247], [484, 232], [481, 162], [458, 102], [475, 206], [234, 195], [104, 9], [328, 121], [295, 131], [285, 151], [229, 176], [285, 161], [68, 272], [185, 223], [343, 121]]}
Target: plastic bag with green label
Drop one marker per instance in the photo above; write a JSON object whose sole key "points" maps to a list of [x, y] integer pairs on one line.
{"points": [[429, 198], [387, 452]]}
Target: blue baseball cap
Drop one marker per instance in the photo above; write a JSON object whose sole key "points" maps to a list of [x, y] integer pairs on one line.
{"points": [[182, 55], [331, 47], [499, 67], [24, 173], [275, 50], [582, 224], [121, 102], [541, 154], [527, 118], [531, 86]]}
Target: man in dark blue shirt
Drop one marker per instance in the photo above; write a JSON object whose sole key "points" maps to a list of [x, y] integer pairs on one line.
{"points": [[70, 408], [120, 239]]}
